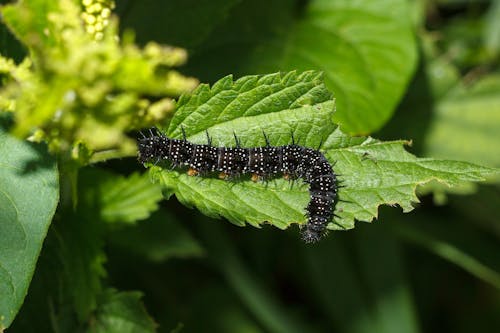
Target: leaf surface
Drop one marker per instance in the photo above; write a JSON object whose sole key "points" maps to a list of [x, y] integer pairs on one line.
{"points": [[373, 172], [158, 238], [367, 52], [119, 199], [29, 193], [466, 123], [122, 312]]}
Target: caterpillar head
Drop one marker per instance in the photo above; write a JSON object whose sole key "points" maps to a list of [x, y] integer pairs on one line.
{"points": [[153, 148]]}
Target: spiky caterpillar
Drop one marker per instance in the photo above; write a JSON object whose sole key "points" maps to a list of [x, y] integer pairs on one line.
{"points": [[292, 161]]}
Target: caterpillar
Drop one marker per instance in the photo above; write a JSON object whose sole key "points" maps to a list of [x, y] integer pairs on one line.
{"points": [[292, 161]]}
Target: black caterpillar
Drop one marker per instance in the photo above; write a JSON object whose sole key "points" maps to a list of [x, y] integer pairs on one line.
{"points": [[292, 161]]}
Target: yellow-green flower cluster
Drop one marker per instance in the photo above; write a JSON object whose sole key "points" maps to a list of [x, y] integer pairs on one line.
{"points": [[96, 15], [82, 95]]}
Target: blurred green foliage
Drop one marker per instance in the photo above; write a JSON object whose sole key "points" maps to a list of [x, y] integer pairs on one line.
{"points": [[77, 85], [80, 89]]}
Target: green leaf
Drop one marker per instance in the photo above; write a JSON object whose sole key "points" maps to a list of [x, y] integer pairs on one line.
{"points": [[229, 104], [71, 268], [121, 312], [435, 77], [466, 122], [367, 52], [67, 280], [449, 118], [78, 245], [158, 238], [374, 173], [29, 193], [118, 198]]}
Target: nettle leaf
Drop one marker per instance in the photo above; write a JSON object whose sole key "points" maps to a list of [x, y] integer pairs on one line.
{"points": [[366, 49], [29, 193], [368, 54], [78, 242], [376, 173], [465, 123], [158, 238], [122, 312], [118, 198], [373, 172]]}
